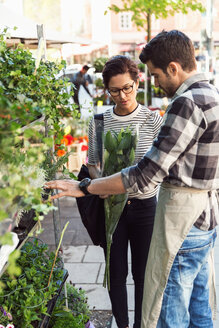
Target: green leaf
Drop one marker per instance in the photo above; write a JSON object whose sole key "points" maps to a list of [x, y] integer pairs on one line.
{"points": [[110, 142], [132, 156]]}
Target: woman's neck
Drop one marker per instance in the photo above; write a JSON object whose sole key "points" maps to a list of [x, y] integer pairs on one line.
{"points": [[124, 111]]}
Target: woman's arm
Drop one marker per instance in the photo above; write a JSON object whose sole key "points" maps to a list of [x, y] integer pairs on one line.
{"points": [[94, 171]]}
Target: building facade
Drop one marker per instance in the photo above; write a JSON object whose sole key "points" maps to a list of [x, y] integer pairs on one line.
{"points": [[127, 39]]}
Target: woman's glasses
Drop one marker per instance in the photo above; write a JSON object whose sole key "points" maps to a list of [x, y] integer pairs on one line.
{"points": [[127, 89]]}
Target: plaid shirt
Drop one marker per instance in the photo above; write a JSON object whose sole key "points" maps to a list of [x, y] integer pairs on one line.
{"points": [[186, 150]]}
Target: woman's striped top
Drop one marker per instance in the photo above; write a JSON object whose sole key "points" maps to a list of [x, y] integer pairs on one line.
{"points": [[147, 124]]}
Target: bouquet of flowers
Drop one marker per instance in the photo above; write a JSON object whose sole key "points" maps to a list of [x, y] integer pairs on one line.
{"points": [[119, 153]]}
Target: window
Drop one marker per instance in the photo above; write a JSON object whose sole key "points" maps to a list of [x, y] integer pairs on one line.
{"points": [[125, 22]]}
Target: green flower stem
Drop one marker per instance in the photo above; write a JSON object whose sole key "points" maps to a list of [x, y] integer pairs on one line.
{"points": [[57, 250]]}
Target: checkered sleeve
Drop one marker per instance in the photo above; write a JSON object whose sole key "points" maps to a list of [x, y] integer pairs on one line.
{"points": [[183, 126]]}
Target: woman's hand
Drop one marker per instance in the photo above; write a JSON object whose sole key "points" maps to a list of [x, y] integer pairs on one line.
{"points": [[69, 188]]}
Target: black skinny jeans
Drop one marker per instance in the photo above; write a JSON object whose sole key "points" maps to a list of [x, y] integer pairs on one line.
{"points": [[135, 226]]}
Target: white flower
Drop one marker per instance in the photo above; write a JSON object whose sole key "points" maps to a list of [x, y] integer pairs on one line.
{"points": [[9, 326], [2, 326]]}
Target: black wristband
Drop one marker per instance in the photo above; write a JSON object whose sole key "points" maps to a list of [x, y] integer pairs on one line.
{"points": [[83, 185]]}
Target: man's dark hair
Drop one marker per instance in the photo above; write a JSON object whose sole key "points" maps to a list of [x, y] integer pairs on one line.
{"points": [[119, 65], [86, 67], [170, 46]]}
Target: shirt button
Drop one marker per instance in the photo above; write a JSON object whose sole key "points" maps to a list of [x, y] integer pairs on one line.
{"points": [[128, 202]]}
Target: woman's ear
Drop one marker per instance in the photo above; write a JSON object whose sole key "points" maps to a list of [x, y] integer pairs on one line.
{"points": [[137, 83]]}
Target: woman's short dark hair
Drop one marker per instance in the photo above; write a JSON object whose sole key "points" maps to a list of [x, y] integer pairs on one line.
{"points": [[170, 46], [119, 65]]}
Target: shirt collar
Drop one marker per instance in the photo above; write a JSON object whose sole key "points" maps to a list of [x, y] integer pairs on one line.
{"points": [[198, 77]]}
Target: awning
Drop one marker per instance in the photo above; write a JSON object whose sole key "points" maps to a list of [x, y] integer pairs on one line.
{"points": [[26, 31]]}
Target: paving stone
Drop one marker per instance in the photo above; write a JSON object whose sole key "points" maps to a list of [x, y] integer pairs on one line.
{"points": [[94, 254], [97, 296], [48, 236], [74, 253], [101, 274], [130, 290], [82, 273]]}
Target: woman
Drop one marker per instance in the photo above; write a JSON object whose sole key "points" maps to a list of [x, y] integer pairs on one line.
{"points": [[121, 79]]}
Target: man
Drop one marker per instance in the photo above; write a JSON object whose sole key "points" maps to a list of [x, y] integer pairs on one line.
{"points": [[185, 160], [80, 78]]}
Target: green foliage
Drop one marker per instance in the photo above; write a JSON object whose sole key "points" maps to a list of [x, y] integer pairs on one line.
{"points": [[26, 298], [99, 83], [140, 97], [158, 92], [141, 67], [77, 301], [77, 308], [66, 319], [119, 153], [119, 149], [32, 104], [99, 63]]}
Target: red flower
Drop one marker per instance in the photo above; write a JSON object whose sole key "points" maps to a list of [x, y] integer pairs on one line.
{"points": [[69, 138], [84, 147], [81, 139]]}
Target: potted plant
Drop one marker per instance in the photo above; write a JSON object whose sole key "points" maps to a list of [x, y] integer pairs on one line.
{"points": [[28, 297]]}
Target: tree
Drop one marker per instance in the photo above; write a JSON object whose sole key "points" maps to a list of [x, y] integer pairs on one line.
{"points": [[142, 11]]}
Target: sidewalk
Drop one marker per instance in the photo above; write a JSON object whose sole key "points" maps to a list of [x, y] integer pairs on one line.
{"points": [[85, 262]]}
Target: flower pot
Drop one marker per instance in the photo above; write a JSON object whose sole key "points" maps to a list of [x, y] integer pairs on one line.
{"points": [[20, 232]]}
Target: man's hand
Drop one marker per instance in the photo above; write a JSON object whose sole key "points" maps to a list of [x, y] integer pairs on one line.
{"points": [[69, 188], [111, 185]]}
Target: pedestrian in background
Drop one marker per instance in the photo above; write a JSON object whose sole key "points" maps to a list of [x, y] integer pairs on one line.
{"points": [[121, 79], [80, 79], [179, 274]]}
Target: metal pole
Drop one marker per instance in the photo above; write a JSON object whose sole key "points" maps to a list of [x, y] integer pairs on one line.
{"points": [[41, 36], [56, 222]]}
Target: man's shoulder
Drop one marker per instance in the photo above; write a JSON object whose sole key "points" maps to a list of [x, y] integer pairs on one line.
{"points": [[200, 93]]}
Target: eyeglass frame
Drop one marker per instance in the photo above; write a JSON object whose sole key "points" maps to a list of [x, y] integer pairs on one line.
{"points": [[122, 89]]}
